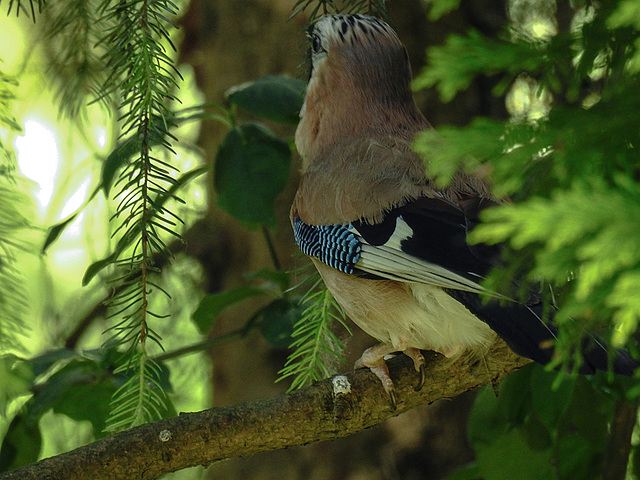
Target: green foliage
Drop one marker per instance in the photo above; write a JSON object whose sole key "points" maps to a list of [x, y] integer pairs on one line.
{"points": [[80, 387], [572, 173], [20, 8], [143, 394], [214, 304], [14, 205], [275, 320], [73, 60], [439, 8], [277, 98], [16, 377], [590, 228], [279, 319], [537, 428], [454, 65], [142, 75], [315, 346], [252, 169]]}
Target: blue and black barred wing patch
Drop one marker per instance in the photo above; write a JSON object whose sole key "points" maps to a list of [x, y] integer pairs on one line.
{"points": [[344, 248], [336, 245]]}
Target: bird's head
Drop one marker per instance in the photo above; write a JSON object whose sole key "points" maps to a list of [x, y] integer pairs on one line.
{"points": [[359, 83]]}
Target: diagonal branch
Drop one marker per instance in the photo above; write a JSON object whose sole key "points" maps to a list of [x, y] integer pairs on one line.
{"points": [[304, 416]]}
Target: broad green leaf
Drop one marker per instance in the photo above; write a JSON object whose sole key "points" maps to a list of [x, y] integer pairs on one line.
{"points": [[486, 421], [508, 456], [76, 373], [278, 277], [21, 444], [16, 376], [550, 399], [277, 98], [87, 401], [252, 169], [45, 361], [278, 321], [590, 412], [576, 458], [535, 433], [213, 304], [515, 395]]}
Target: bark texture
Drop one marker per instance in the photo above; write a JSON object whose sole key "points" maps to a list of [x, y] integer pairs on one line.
{"points": [[330, 409]]}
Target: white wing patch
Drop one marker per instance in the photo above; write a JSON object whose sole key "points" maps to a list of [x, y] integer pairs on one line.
{"points": [[389, 261]]}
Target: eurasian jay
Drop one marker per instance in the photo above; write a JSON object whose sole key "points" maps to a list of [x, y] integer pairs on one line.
{"points": [[390, 246]]}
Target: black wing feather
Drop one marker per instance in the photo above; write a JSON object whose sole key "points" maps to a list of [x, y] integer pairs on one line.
{"points": [[440, 231]]}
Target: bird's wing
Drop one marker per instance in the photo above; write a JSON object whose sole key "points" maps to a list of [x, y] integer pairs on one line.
{"points": [[424, 241]]}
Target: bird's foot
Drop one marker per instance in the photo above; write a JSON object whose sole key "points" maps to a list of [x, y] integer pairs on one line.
{"points": [[373, 359], [419, 364]]}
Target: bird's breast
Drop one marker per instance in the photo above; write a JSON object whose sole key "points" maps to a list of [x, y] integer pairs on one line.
{"points": [[416, 315]]}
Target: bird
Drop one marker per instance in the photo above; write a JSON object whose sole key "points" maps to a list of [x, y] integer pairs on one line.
{"points": [[392, 247]]}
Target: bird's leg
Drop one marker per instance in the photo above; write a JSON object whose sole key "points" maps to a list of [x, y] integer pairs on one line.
{"points": [[373, 359]]}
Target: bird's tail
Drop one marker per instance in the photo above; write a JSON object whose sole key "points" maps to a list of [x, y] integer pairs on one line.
{"points": [[522, 327]]}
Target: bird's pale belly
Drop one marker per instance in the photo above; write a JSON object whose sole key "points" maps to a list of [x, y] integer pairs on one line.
{"points": [[407, 315]]}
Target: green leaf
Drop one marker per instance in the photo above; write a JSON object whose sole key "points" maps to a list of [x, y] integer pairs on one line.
{"points": [[468, 472], [515, 395], [550, 399], [213, 304], [590, 413], [277, 277], [116, 159], [453, 66], [277, 98], [56, 230], [45, 361], [79, 372], [252, 169], [87, 401], [486, 420], [576, 458], [22, 443], [16, 376], [97, 266], [439, 8], [278, 321], [508, 456]]}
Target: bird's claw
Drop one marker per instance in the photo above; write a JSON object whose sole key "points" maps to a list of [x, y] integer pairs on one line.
{"points": [[393, 396], [423, 377], [419, 364], [373, 359]]}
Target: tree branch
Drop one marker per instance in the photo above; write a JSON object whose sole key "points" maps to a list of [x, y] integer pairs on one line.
{"points": [[318, 412], [619, 447]]}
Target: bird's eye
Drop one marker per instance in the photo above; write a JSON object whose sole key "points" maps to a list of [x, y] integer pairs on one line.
{"points": [[316, 46]]}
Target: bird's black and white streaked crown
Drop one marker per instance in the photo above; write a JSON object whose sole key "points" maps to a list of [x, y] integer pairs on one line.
{"points": [[364, 49], [348, 30]]}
